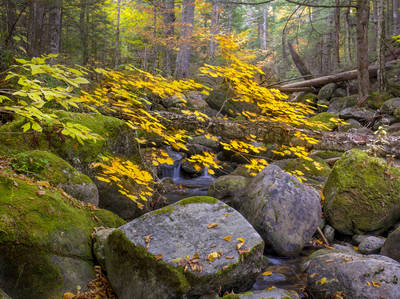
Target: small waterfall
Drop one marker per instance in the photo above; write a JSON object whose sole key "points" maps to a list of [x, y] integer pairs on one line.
{"points": [[205, 173], [177, 171], [172, 171]]}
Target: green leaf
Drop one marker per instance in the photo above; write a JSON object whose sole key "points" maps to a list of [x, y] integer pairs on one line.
{"points": [[26, 127]]}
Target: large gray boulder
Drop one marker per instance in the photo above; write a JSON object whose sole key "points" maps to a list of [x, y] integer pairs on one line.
{"points": [[285, 212], [358, 113], [352, 275], [326, 92], [391, 247], [188, 248], [390, 106], [362, 194]]}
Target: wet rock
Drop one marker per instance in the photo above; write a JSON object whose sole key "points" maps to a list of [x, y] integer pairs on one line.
{"points": [[362, 194], [352, 275], [371, 245], [202, 140], [391, 247], [194, 227], [338, 104], [284, 211]]}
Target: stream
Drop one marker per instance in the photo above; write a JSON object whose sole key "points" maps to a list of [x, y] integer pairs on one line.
{"points": [[286, 272]]}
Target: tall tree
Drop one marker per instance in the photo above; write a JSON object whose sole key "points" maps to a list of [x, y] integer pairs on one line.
{"points": [[168, 11], [362, 16], [396, 17], [55, 26], [117, 50], [84, 30], [185, 39], [36, 29], [380, 52], [214, 26], [336, 48]]}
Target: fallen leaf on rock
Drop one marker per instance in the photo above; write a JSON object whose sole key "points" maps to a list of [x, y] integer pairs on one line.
{"points": [[68, 296], [43, 184], [213, 245], [159, 257], [228, 238], [313, 275], [267, 273], [147, 239], [212, 225], [213, 255], [225, 267], [226, 214], [376, 284], [323, 280], [229, 257]]}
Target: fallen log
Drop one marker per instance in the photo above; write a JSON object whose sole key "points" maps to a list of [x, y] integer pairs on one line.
{"points": [[276, 133], [339, 77]]}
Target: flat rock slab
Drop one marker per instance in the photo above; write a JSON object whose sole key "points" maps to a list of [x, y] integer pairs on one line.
{"points": [[190, 247], [352, 275]]}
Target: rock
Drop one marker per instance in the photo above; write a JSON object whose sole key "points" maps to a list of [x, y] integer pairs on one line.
{"points": [[188, 168], [357, 239], [391, 246], [371, 245], [395, 128], [174, 101], [339, 92], [376, 99], [352, 275], [196, 100], [308, 98], [285, 212], [360, 131], [350, 124], [338, 104], [48, 236], [226, 187], [396, 113], [273, 293], [99, 239], [362, 194], [363, 114], [323, 121], [202, 140], [194, 227], [326, 91], [241, 170], [390, 106], [47, 166], [329, 233]]}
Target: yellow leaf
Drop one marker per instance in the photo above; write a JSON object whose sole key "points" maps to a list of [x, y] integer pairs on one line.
{"points": [[323, 280], [212, 225], [228, 238], [267, 273]]}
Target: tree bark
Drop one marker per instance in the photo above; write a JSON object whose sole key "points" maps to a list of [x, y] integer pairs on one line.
{"points": [[55, 27], [229, 21], [336, 49], [327, 46], [362, 49], [185, 40], [264, 29], [396, 17], [117, 47], [214, 27], [301, 66], [349, 60], [84, 31], [380, 51], [169, 28], [11, 21], [36, 32]]}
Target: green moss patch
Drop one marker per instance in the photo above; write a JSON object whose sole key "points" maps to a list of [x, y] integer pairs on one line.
{"points": [[197, 199]]}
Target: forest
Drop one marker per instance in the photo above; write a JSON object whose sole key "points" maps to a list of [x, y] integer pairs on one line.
{"points": [[199, 149]]}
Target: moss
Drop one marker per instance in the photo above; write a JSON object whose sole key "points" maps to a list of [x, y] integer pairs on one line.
{"points": [[168, 209], [197, 199], [146, 265], [308, 167], [362, 194], [322, 121], [49, 167], [376, 99], [232, 296]]}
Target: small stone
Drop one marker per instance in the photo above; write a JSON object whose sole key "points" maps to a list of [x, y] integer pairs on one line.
{"points": [[371, 245], [329, 233]]}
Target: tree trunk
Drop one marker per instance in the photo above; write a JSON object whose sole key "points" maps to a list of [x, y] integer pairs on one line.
{"points": [[11, 21], [327, 46], [185, 39], [362, 49], [55, 27], [339, 77], [336, 49], [380, 47], [264, 29], [301, 66], [84, 30], [349, 60], [396, 17], [36, 32], [169, 28], [229, 21], [117, 48], [214, 27]]}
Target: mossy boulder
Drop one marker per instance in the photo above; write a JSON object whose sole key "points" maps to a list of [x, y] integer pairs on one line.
{"points": [[324, 121], [326, 91], [337, 104], [285, 212], [376, 99], [390, 106], [226, 187], [362, 194], [45, 239], [188, 235], [308, 98], [46, 166]]}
